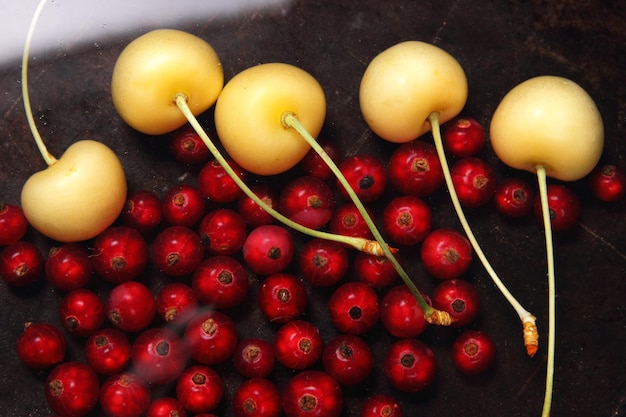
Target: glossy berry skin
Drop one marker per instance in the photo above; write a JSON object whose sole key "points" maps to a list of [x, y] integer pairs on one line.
{"points": [[459, 298], [282, 297], [354, 308], [308, 201], [375, 271], [142, 211], [323, 262], [223, 231], [13, 224], [124, 395], [348, 359], [130, 306], [414, 169], [107, 351], [381, 405], [216, 185], [400, 313], [177, 251], [268, 249], [176, 302], [251, 212], [254, 358], [608, 183], [514, 197], [41, 345], [72, 389], [563, 205], [119, 254], [410, 365], [446, 253], [257, 397], [166, 407], [463, 137], [407, 220], [211, 338], [68, 267], [312, 393], [82, 312], [473, 352], [158, 355], [21, 263], [199, 389], [220, 282], [347, 221], [474, 181], [312, 164], [298, 344], [367, 176], [183, 205], [188, 148]]}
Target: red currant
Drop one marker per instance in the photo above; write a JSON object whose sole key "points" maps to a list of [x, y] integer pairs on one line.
{"points": [[223, 231], [166, 407], [367, 176], [282, 298], [298, 344], [514, 197], [381, 405], [268, 249], [473, 352], [216, 185], [446, 253], [308, 201], [41, 345], [607, 183], [199, 389], [375, 271], [21, 264], [82, 312], [257, 397], [158, 355], [251, 212], [459, 298], [68, 267], [312, 164], [177, 251], [400, 313], [124, 395], [354, 308], [142, 211], [13, 224], [211, 337], [188, 148], [176, 302], [474, 181], [348, 221], [130, 306], [72, 389], [348, 359], [410, 365], [323, 262], [312, 393], [183, 205], [107, 351], [119, 254], [463, 137], [414, 169], [407, 220], [254, 358], [221, 282], [563, 205]]}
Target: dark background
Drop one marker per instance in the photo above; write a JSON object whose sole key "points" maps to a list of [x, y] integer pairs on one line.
{"points": [[499, 44]]}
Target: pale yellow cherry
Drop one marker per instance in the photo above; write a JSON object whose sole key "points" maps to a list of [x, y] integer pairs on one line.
{"points": [[77, 196], [249, 116], [406, 83], [157, 66], [548, 121]]}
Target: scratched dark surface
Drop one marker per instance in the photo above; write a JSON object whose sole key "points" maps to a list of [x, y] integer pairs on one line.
{"points": [[499, 44]]}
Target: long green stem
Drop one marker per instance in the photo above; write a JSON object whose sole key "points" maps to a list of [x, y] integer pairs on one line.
{"points": [[545, 210], [528, 320], [48, 158]]}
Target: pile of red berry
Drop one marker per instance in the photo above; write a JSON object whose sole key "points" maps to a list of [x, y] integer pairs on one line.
{"points": [[159, 350]]}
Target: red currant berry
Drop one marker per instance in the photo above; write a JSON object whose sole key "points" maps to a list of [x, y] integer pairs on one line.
{"points": [[514, 197], [82, 312], [176, 302], [166, 407], [21, 264], [223, 231], [323, 262], [381, 405], [312, 393], [607, 183], [254, 358], [183, 205], [400, 313], [68, 267], [107, 351], [375, 271], [119, 254], [473, 352], [308, 201], [199, 389], [257, 397], [563, 205], [177, 251], [211, 338], [13, 224], [142, 211], [282, 298], [298, 344], [410, 365], [124, 395], [367, 176], [414, 169], [354, 308], [158, 356], [130, 306], [474, 181], [72, 389], [41, 345], [446, 254], [268, 249], [312, 164], [216, 185], [221, 282], [463, 137], [348, 221], [407, 220], [188, 148], [348, 359], [251, 212], [459, 298]]}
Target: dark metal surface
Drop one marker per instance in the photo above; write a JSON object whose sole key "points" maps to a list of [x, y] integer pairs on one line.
{"points": [[499, 44]]}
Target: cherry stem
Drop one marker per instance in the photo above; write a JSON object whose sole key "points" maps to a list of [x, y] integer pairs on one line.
{"points": [[545, 211], [48, 158], [528, 320], [290, 120]]}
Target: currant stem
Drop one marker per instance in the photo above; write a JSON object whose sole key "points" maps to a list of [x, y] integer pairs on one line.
{"points": [[47, 157], [545, 211], [528, 320], [290, 120]]}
